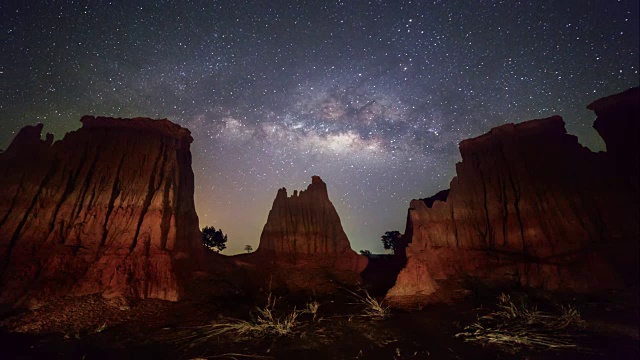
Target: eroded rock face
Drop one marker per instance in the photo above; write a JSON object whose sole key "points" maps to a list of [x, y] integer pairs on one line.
{"points": [[303, 235], [306, 225], [108, 209], [529, 204]]}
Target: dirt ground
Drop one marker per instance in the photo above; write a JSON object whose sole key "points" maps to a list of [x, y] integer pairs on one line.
{"points": [[91, 328]]}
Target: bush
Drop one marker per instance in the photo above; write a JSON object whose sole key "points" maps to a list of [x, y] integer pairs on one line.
{"points": [[213, 239], [391, 239]]}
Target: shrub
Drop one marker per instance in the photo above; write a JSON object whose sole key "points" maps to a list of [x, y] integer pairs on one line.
{"points": [[214, 239]]}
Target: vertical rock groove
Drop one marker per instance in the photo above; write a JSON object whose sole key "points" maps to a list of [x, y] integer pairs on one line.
{"points": [[151, 191], [115, 192], [16, 234]]}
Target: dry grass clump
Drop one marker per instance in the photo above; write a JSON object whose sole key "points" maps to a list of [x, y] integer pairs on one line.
{"points": [[512, 327], [264, 323], [373, 309], [312, 308]]}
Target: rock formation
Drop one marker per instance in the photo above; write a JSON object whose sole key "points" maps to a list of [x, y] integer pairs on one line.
{"points": [[307, 226], [303, 235], [529, 204], [618, 125], [108, 209]]}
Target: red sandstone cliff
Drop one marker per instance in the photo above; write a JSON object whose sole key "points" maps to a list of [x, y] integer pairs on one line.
{"points": [[303, 243], [529, 204], [108, 209]]}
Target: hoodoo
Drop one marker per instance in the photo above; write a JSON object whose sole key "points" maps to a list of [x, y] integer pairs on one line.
{"points": [[304, 235], [530, 205], [306, 227], [108, 209]]}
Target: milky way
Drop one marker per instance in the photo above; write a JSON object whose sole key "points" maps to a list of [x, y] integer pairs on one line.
{"points": [[373, 96]]}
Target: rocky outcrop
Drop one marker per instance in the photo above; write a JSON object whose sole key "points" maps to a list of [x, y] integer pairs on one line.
{"points": [[303, 236], [618, 125], [530, 205], [108, 209]]}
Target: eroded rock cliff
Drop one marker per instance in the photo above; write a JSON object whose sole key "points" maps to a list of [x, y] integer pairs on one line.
{"points": [[530, 205], [303, 243], [108, 209]]}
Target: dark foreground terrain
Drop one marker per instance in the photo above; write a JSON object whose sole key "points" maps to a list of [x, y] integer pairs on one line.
{"points": [[340, 328]]}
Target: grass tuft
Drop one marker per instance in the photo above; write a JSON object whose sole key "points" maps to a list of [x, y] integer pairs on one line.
{"points": [[312, 308], [373, 309], [264, 323], [512, 327]]}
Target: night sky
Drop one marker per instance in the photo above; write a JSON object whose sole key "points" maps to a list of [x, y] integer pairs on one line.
{"points": [[373, 96]]}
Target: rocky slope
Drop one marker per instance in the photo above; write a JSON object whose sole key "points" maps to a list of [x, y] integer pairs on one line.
{"points": [[530, 205], [303, 243], [108, 209]]}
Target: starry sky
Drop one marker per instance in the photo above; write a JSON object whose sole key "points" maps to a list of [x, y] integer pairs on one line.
{"points": [[373, 96]]}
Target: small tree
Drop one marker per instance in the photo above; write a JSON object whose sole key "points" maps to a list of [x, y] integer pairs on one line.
{"points": [[213, 239], [248, 248], [366, 253], [390, 240]]}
